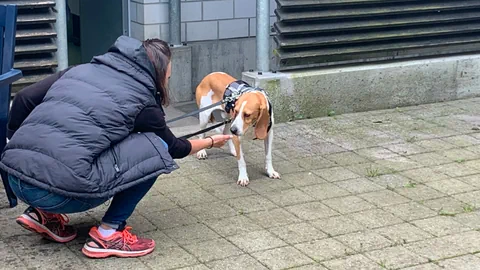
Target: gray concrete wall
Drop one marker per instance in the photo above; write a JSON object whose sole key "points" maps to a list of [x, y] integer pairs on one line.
{"points": [[315, 93], [233, 56]]}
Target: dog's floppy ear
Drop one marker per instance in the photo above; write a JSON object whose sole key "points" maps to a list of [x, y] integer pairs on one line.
{"points": [[261, 128]]}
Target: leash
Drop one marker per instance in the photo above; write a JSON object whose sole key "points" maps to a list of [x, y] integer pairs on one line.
{"points": [[195, 112], [224, 122]]}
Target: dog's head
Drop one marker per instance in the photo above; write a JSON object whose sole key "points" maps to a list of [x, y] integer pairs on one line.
{"points": [[251, 109]]}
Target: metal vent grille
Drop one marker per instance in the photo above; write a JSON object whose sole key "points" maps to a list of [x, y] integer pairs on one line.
{"points": [[315, 33], [35, 40]]}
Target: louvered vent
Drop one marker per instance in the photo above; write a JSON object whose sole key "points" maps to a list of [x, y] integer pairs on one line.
{"points": [[313, 33], [35, 40]]}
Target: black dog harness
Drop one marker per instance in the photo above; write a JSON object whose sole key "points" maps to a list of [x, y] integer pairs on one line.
{"points": [[238, 88]]}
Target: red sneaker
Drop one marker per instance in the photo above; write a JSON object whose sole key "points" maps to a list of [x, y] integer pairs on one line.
{"points": [[50, 226], [121, 244]]}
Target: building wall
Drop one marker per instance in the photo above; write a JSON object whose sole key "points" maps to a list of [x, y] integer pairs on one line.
{"points": [[201, 19]]}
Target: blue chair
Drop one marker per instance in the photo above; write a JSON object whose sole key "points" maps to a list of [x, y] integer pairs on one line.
{"points": [[8, 75]]}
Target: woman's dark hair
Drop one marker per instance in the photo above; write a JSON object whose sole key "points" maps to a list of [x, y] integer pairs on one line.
{"points": [[159, 53]]}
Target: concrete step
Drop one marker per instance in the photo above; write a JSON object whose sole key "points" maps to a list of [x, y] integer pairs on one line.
{"points": [[21, 4], [30, 18], [43, 32], [41, 63], [35, 48]]}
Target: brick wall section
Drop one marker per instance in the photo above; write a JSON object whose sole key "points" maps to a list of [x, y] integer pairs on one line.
{"points": [[201, 19]]}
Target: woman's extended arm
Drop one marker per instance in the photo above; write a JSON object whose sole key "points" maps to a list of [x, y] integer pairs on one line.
{"points": [[209, 142]]}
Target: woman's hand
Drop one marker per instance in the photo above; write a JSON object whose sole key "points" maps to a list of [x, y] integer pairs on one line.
{"points": [[219, 140], [209, 142]]}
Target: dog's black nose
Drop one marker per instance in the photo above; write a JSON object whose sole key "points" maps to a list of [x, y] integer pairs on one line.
{"points": [[234, 130]]}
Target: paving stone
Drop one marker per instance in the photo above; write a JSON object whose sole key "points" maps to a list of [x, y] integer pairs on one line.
{"points": [[470, 198], [325, 191], [228, 191], [311, 211], [172, 218], [467, 262], [469, 241], [264, 187], [256, 241], [195, 267], [375, 153], [213, 178], [450, 186], [424, 175], [436, 249], [213, 250], [419, 192], [474, 164], [384, 198], [403, 233], [375, 218], [411, 211], [314, 162], [140, 223], [435, 144], [459, 155], [309, 267], [462, 140], [190, 196], [473, 180], [191, 234], [112, 263], [211, 210], [357, 261], [359, 185], [336, 174], [174, 257], [233, 225], [427, 266], [366, 169], [346, 158], [289, 196], [324, 249], [348, 204], [250, 204], [302, 179], [406, 149], [399, 163], [395, 257], [445, 206], [391, 181], [298, 233], [283, 167], [46, 256], [470, 219], [338, 225], [455, 170], [440, 225], [282, 258], [430, 159], [273, 217], [153, 203], [169, 184], [364, 241], [237, 263], [10, 258]]}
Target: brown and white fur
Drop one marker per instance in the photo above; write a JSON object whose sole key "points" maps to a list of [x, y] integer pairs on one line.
{"points": [[251, 108]]}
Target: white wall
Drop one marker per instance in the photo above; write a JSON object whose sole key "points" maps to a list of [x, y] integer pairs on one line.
{"points": [[201, 19]]}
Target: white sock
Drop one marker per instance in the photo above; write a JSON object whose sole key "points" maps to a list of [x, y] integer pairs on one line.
{"points": [[106, 232]]}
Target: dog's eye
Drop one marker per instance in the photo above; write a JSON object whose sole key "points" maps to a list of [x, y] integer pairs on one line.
{"points": [[246, 115]]}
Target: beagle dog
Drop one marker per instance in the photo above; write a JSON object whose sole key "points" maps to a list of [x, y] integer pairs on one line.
{"points": [[251, 114]]}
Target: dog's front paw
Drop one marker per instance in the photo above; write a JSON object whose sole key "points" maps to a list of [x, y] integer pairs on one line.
{"points": [[273, 174], [202, 154], [243, 181]]}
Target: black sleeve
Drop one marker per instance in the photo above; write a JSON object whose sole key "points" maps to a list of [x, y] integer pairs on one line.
{"points": [[152, 119], [27, 99]]}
